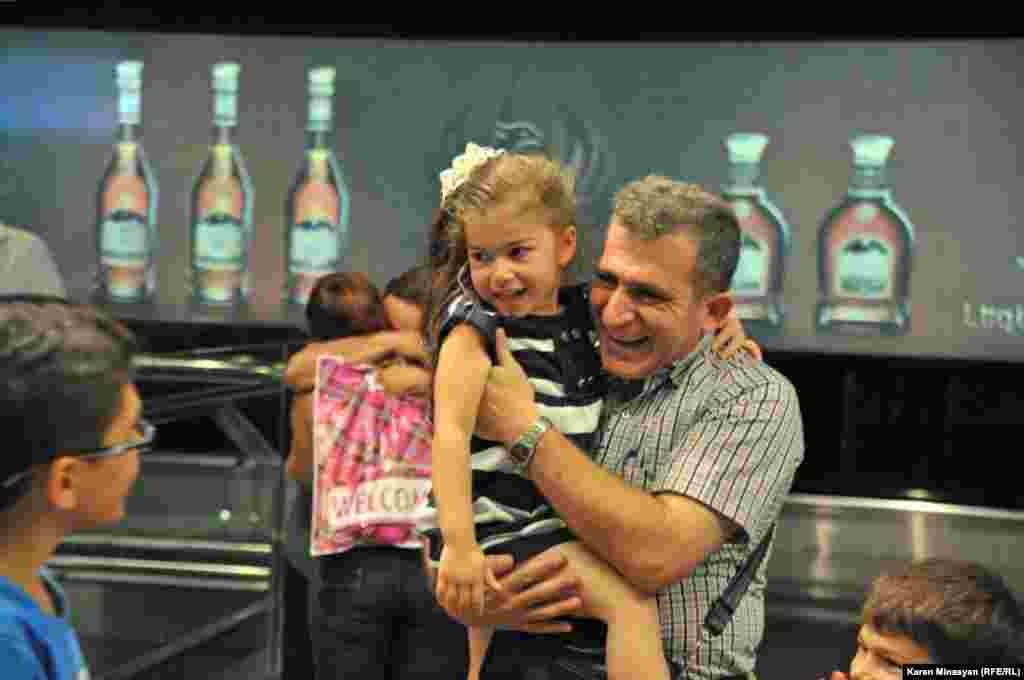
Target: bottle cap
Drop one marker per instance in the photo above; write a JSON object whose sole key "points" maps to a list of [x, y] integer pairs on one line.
{"points": [[225, 76], [746, 147], [129, 75], [871, 150], [321, 81]]}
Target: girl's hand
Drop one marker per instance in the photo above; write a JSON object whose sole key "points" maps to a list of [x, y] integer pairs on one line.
{"points": [[463, 580], [730, 339]]}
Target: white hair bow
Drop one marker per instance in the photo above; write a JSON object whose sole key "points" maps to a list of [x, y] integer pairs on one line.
{"points": [[464, 165]]}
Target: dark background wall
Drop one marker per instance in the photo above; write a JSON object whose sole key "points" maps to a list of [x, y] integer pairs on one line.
{"points": [[405, 105], [934, 414]]}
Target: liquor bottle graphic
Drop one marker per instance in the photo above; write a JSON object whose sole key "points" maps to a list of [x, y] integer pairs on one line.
{"points": [[765, 238], [126, 229], [865, 250], [317, 208], [222, 206]]}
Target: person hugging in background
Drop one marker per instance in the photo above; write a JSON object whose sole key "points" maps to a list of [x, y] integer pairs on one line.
{"points": [[372, 610]]}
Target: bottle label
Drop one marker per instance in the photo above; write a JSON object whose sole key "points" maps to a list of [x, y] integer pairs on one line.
{"points": [[864, 267], [314, 253], [754, 266], [219, 258], [124, 252], [314, 248], [124, 239], [220, 243]]}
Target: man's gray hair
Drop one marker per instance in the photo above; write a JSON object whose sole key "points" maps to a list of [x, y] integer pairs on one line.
{"points": [[657, 205]]}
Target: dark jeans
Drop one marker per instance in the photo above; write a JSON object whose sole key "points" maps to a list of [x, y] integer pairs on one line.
{"points": [[576, 656], [375, 617], [297, 658]]}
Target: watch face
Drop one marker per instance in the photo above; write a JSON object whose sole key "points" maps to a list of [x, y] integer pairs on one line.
{"points": [[518, 453]]}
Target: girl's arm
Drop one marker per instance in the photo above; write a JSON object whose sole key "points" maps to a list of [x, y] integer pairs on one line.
{"points": [[461, 373]]}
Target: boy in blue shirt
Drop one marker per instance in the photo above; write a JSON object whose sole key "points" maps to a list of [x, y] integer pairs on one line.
{"points": [[72, 434]]}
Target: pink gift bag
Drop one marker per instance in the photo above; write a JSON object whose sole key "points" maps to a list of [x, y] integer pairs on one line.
{"points": [[372, 455]]}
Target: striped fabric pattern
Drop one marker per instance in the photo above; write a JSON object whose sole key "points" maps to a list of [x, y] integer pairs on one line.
{"points": [[560, 359]]}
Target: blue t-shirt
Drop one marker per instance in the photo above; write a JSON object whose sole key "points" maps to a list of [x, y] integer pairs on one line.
{"points": [[33, 644]]}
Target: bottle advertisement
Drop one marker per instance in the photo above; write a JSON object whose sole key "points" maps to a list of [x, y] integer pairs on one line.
{"points": [[216, 178], [127, 203]]}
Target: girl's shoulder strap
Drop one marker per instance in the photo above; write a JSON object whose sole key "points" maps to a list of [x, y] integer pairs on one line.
{"points": [[576, 300], [469, 309]]}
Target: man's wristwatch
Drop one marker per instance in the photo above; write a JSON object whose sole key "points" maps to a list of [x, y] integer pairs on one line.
{"points": [[522, 451]]}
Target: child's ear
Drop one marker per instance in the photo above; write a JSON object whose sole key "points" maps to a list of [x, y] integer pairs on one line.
{"points": [[566, 246], [62, 476]]}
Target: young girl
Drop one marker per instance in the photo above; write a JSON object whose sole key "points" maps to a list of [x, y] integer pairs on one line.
{"points": [[507, 225]]}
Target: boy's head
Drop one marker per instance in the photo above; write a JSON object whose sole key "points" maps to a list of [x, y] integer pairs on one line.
{"points": [[937, 611], [344, 304], [406, 297], [69, 412], [511, 220]]}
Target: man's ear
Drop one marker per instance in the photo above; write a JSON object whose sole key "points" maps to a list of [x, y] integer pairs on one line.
{"points": [[717, 309]]}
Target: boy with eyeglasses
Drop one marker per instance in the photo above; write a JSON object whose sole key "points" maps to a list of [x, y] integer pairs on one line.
{"points": [[70, 418]]}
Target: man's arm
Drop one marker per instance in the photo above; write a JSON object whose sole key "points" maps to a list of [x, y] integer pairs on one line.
{"points": [[652, 539], [301, 370]]}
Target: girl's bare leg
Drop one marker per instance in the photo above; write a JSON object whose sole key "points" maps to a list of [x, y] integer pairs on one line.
{"points": [[479, 640], [634, 648]]}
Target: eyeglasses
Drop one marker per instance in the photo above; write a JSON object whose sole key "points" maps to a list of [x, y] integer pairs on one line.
{"points": [[143, 444]]}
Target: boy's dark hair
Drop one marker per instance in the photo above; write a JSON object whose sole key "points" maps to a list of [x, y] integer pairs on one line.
{"points": [[62, 370], [412, 286], [961, 612], [343, 304]]}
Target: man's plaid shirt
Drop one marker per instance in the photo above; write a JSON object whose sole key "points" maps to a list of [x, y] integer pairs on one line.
{"points": [[726, 433]]}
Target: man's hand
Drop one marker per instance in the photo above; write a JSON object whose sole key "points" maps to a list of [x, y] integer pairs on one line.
{"points": [[508, 408], [533, 595]]}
